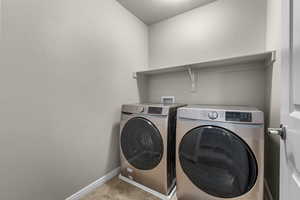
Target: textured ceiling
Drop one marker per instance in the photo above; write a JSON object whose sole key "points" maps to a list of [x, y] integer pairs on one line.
{"points": [[152, 11]]}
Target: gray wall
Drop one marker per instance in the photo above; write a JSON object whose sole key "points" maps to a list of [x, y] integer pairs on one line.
{"points": [[273, 41], [230, 85], [223, 28], [66, 68]]}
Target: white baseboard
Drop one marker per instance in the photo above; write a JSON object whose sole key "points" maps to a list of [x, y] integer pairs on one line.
{"points": [[157, 194], [86, 190], [268, 194]]}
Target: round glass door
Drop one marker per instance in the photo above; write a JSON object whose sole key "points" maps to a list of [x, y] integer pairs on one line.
{"points": [[218, 162], [141, 143]]}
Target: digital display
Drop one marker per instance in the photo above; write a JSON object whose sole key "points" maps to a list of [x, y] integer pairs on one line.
{"points": [[155, 110], [239, 116]]}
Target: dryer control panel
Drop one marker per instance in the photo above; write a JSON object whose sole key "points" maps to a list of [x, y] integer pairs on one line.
{"points": [[228, 114]]}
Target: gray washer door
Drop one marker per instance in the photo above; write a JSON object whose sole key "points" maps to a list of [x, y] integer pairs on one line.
{"points": [[218, 162], [141, 143]]}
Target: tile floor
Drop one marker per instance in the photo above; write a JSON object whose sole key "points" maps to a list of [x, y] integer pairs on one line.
{"points": [[117, 189]]}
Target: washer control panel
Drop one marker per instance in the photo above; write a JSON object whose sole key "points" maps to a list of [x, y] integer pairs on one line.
{"points": [[230, 114]]}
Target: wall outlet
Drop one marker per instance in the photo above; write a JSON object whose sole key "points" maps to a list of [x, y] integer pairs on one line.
{"points": [[167, 99]]}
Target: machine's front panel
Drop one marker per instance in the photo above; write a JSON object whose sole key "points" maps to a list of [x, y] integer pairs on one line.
{"points": [[146, 135], [229, 150], [144, 159]]}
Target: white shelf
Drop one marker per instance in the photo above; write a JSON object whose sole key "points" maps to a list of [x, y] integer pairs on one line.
{"points": [[266, 57]]}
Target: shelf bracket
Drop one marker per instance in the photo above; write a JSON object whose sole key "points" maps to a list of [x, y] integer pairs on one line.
{"points": [[134, 75], [192, 78], [272, 59]]}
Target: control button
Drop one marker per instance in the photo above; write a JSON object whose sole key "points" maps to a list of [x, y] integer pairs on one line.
{"points": [[213, 115]]}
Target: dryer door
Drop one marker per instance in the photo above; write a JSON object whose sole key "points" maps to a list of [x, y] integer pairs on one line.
{"points": [[218, 162], [141, 143]]}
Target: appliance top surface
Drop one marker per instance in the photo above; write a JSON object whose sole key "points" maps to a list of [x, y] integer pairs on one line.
{"points": [[222, 108], [171, 105]]}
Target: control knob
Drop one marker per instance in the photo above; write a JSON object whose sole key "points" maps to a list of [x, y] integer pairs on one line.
{"points": [[213, 115], [141, 109]]}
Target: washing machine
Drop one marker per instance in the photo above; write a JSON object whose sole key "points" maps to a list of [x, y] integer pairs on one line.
{"points": [[220, 153], [147, 142]]}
